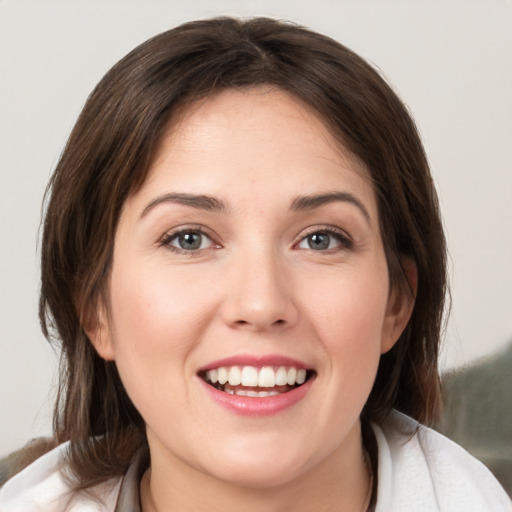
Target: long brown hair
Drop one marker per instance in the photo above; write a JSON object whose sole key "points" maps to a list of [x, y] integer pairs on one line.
{"points": [[107, 158]]}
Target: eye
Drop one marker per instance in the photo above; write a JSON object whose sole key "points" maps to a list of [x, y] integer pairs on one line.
{"points": [[188, 241], [325, 240]]}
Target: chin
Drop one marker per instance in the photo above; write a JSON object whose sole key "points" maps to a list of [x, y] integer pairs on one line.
{"points": [[259, 475], [261, 467]]}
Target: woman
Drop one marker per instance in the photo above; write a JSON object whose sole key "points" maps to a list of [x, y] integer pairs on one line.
{"points": [[244, 264]]}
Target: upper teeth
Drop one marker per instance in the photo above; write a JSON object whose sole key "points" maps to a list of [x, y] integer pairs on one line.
{"points": [[266, 377]]}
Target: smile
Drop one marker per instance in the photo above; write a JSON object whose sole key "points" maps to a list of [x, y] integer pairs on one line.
{"points": [[256, 382]]}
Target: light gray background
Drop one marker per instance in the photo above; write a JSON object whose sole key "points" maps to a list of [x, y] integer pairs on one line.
{"points": [[450, 61]]}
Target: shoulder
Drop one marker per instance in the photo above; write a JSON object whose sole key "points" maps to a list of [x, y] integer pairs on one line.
{"points": [[42, 487], [422, 469]]}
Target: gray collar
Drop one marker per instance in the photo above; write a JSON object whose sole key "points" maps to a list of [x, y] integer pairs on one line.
{"points": [[129, 493]]}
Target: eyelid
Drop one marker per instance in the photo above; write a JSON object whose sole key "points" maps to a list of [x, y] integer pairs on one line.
{"points": [[165, 240], [345, 239]]}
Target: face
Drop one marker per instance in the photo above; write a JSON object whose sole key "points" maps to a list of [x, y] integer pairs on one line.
{"points": [[251, 254]]}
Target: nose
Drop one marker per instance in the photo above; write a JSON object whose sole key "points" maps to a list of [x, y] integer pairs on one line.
{"points": [[259, 296]]}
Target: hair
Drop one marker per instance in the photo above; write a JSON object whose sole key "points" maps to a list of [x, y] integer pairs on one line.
{"points": [[107, 158]]}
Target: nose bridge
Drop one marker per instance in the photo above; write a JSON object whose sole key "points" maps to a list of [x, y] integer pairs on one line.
{"points": [[260, 289]]}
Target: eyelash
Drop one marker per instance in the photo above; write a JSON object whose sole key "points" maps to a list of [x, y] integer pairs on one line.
{"points": [[168, 238], [345, 242]]}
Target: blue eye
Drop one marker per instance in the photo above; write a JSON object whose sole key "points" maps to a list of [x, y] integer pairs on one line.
{"points": [[188, 241], [319, 241], [324, 240]]}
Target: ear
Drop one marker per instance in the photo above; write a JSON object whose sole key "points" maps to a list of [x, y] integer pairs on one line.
{"points": [[400, 306], [97, 328]]}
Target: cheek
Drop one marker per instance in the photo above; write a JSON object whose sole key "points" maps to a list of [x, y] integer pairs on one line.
{"points": [[349, 320], [155, 308], [351, 308], [157, 319]]}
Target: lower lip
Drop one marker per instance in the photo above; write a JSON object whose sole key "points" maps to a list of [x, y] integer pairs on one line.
{"points": [[258, 406]]}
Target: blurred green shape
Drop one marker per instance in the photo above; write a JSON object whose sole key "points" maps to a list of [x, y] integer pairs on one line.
{"points": [[478, 412]]}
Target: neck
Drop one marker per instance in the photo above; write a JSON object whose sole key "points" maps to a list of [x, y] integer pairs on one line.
{"points": [[341, 482]]}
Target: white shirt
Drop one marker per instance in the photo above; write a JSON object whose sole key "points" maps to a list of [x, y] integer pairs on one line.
{"points": [[419, 470], [423, 471]]}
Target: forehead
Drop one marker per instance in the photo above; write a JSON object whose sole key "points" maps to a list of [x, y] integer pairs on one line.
{"points": [[257, 139], [249, 108]]}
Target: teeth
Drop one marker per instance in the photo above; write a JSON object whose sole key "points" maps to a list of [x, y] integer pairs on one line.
{"points": [[267, 377], [268, 393], [222, 375], [281, 376], [235, 376], [254, 394], [250, 376], [292, 376]]}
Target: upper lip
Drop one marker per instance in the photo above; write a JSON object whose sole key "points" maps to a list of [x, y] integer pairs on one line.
{"points": [[256, 361]]}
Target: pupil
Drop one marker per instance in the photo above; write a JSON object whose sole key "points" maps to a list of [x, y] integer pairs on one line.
{"points": [[190, 241], [318, 241]]}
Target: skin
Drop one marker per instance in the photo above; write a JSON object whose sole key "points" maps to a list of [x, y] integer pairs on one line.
{"points": [[254, 287]]}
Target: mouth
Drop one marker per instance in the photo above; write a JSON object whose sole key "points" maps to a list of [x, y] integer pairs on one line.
{"points": [[256, 382]]}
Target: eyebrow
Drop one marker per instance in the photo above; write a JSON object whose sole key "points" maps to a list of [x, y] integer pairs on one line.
{"points": [[201, 202], [304, 203], [300, 203]]}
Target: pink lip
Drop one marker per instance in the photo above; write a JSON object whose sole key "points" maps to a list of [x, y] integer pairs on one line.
{"points": [[256, 361], [258, 406]]}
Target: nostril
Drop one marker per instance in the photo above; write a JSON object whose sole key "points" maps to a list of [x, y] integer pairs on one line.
{"points": [[257, 326]]}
